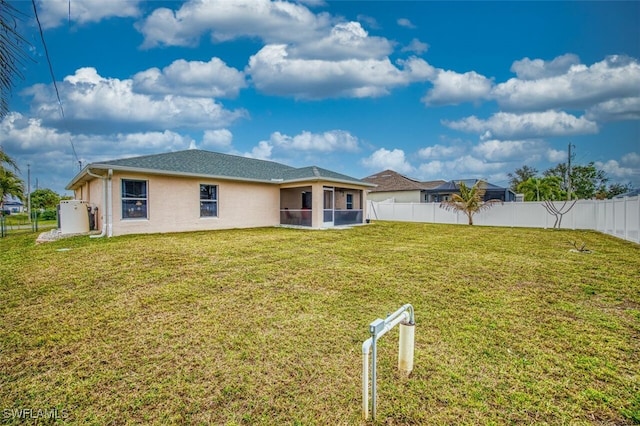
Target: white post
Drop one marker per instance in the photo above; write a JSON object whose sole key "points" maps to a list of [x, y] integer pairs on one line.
{"points": [[406, 348]]}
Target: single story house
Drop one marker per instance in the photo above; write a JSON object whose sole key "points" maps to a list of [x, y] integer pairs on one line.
{"points": [[391, 185], [195, 190], [12, 205], [444, 191]]}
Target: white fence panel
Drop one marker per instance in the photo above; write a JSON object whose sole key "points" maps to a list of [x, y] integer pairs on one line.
{"points": [[617, 217]]}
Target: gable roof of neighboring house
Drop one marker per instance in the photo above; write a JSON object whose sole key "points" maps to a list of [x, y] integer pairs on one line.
{"points": [[391, 181], [632, 193], [10, 200], [199, 163], [454, 185]]}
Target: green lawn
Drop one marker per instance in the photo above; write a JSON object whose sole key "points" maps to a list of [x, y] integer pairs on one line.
{"points": [[265, 326]]}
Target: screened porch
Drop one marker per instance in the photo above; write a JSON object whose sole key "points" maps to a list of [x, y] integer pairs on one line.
{"points": [[340, 206]]}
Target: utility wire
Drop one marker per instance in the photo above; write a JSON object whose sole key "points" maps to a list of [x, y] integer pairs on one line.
{"points": [[53, 77], [46, 52]]}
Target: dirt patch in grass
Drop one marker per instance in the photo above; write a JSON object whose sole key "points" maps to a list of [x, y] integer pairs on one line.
{"points": [[265, 326]]}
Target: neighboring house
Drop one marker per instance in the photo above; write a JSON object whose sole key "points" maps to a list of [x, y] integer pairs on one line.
{"points": [[632, 193], [391, 185], [493, 192], [201, 190], [12, 205]]}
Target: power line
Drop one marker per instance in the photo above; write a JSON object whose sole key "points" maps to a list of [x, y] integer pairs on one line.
{"points": [[53, 77], [46, 52]]}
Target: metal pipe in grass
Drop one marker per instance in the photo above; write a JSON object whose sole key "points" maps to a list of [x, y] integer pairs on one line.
{"points": [[377, 329]]}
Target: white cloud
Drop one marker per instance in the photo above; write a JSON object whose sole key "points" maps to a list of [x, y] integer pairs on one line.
{"points": [[273, 22], [504, 125], [191, 78], [452, 88], [438, 152], [262, 151], [370, 21], [384, 159], [555, 156], [631, 159], [216, 139], [464, 167], [51, 152], [618, 171], [346, 40], [580, 87], [404, 22], [416, 46], [53, 13], [615, 110], [27, 135], [510, 150], [528, 69], [330, 141], [95, 103], [130, 144], [273, 72]]}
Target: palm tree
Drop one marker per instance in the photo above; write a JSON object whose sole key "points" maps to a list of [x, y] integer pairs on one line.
{"points": [[470, 200], [10, 184], [12, 52], [541, 189]]}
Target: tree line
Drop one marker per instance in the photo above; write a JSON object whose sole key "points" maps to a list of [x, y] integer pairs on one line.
{"points": [[12, 185], [581, 182]]}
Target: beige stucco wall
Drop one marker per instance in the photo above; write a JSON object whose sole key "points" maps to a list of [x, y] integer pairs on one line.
{"points": [[174, 205]]}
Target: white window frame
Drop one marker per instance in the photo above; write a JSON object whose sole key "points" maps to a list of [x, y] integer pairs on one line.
{"points": [[213, 202], [130, 212]]}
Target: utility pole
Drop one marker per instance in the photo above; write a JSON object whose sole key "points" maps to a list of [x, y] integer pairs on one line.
{"points": [[29, 190]]}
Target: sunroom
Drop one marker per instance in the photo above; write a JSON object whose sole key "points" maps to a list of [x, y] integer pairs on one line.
{"points": [[321, 206]]}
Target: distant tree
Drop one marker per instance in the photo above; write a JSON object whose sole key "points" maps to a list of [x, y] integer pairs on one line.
{"points": [[541, 189], [586, 181], [613, 190], [559, 171], [521, 175], [44, 198], [469, 200]]}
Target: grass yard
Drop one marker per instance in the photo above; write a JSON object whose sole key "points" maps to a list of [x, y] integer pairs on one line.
{"points": [[265, 326]]}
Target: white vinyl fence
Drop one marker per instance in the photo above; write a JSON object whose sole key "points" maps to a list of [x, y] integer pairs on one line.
{"points": [[618, 217]]}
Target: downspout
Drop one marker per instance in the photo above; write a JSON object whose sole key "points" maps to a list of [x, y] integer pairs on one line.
{"points": [[106, 190], [110, 202]]}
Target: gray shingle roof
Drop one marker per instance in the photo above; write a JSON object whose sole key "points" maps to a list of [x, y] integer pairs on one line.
{"points": [[390, 180], [213, 164]]}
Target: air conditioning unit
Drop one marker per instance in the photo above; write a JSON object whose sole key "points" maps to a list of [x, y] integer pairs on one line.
{"points": [[74, 217]]}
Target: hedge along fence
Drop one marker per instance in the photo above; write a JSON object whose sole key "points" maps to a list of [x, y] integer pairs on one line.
{"points": [[619, 217]]}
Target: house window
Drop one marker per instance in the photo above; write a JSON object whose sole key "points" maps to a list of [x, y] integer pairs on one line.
{"points": [[208, 200], [134, 199], [349, 201]]}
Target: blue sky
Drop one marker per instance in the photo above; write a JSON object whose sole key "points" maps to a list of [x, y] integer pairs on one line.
{"points": [[432, 90]]}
